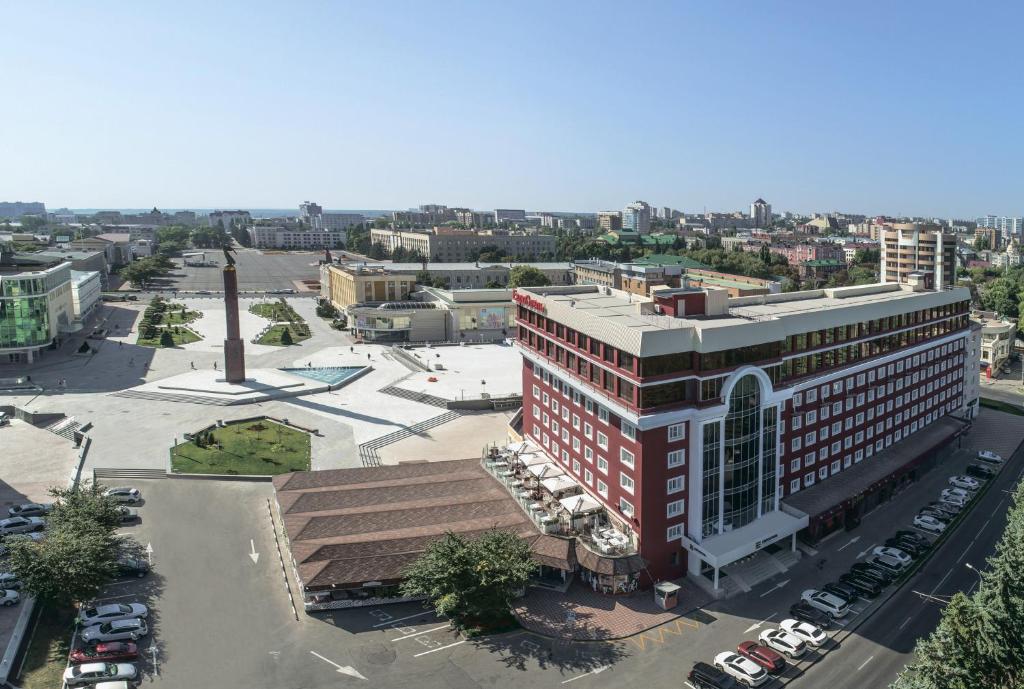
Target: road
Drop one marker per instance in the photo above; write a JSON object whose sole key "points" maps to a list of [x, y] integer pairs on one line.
{"points": [[880, 648]]}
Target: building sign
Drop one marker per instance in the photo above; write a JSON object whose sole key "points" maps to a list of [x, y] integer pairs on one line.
{"points": [[528, 301], [765, 541]]}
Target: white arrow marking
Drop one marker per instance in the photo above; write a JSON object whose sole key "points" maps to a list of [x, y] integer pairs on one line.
{"points": [[149, 553], [254, 555], [852, 541], [343, 669], [865, 551], [595, 671], [156, 668], [758, 624], [778, 586]]}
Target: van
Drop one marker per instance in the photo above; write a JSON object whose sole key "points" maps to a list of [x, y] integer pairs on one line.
{"points": [[704, 676]]}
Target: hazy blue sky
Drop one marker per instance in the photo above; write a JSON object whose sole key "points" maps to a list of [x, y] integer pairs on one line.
{"points": [[888, 107]]}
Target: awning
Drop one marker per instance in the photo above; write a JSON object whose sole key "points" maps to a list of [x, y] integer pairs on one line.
{"points": [[605, 564], [544, 470], [723, 549], [580, 504], [531, 458], [558, 484]]}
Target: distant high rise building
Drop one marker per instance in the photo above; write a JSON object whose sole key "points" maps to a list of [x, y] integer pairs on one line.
{"points": [[761, 213], [636, 217], [311, 214], [988, 221], [242, 218], [609, 221], [509, 215], [1011, 228], [16, 209], [917, 249]]}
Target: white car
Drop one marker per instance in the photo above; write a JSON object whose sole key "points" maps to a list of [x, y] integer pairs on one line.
{"points": [[783, 642], [116, 630], [965, 482], [125, 494], [928, 523], [951, 495], [9, 580], [9, 597], [113, 611], [90, 673], [894, 553], [805, 631], [990, 457], [16, 525], [954, 500], [826, 602], [965, 494], [745, 670]]}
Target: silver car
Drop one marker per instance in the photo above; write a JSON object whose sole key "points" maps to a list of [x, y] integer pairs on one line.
{"points": [[125, 494], [112, 611], [117, 630], [91, 673], [16, 525], [30, 509]]}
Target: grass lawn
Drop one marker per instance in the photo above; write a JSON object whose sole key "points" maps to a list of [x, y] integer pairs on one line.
{"points": [[47, 653], [175, 317], [299, 332], [1002, 406], [276, 311], [259, 447], [183, 336]]}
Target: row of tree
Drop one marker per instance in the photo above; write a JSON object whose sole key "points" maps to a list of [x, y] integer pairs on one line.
{"points": [[979, 643], [142, 272]]}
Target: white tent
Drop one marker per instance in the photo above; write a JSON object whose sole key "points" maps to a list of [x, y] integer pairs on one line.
{"points": [[557, 484], [580, 504], [544, 470]]}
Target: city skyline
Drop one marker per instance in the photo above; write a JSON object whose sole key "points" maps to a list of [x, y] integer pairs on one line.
{"points": [[365, 107]]}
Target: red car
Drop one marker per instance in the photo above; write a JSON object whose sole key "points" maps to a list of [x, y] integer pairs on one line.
{"points": [[109, 651], [762, 655]]}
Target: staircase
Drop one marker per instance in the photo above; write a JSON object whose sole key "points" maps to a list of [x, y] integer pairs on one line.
{"points": [[757, 568], [421, 397], [65, 428], [171, 397], [110, 472], [787, 558], [368, 450]]}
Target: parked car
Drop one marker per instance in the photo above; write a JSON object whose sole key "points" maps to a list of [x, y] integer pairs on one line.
{"points": [[946, 507], [865, 586], [9, 580], [805, 631], [762, 655], [953, 499], [125, 494], [9, 597], [808, 613], [843, 590], [940, 515], [895, 553], [965, 482], [909, 547], [869, 570], [90, 673], [783, 642], [132, 567], [126, 515], [980, 471], [112, 611], [960, 492], [117, 630], [743, 669], [704, 676], [889, 564], [929, 523], [107, 652], [30, 509], [22, 537], [913, 536], [17, 525], [989, 457], [828, 603]]}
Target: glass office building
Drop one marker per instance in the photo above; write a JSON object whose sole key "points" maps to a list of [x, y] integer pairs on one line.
{"points": [[35, 307]]}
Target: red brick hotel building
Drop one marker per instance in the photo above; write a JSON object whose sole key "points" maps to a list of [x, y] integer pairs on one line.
{"points": [[710, 427]]}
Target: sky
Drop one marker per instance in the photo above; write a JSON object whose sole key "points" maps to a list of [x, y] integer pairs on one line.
{"points": [[906, 107]]}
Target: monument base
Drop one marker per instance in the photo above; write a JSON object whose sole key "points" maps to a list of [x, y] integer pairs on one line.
{"points": [[234, 360]]}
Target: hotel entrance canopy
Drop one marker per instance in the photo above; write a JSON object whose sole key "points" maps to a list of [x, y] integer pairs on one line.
{"points": [[723, 549]]}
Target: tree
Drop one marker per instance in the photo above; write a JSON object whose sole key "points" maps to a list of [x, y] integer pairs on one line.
{"points": [[527, 276], [326, 309], [471, 580], [140, 273], [423, 277], [166, 338], [286, 336], [766, 254], [439, 282], [493, 284]]}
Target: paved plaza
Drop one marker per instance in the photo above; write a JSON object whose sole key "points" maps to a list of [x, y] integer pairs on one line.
{"points": [[257, 271], [467, 371]]}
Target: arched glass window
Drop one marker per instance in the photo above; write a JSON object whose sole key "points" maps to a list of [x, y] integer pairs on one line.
{"points": [[742, 443]]}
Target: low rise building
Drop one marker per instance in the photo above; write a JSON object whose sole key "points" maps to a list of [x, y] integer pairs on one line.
{"points": [[820, 270], [282, 237], [86, 291], [36, 309], [998, 339], [453, 245]]}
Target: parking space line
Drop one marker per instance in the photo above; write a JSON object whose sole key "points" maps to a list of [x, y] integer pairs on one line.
{"points": [[425, 631], [407, 617], [865, 663], [435, 650], [106, 598], [905, 622]]}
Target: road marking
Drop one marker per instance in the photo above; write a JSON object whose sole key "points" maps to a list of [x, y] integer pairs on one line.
{"points": [[905, 622], [964, 553], [689, 685], [865, 551], [253, 554], [985, 524], [435, 650], [595, 671], [425, 631], [342, 669], [778, 586], [149, 553], [758, 624], [407, 617], [852, 541], [156, 668], [941, 582], [865, 663]]}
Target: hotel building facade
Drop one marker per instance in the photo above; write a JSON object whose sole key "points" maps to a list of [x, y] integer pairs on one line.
{"points": [[711, 428]]}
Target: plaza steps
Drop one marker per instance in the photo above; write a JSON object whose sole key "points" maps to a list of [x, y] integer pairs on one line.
{"points": [[368, 450], [421, 397], [787, 559], [65, 428], [758, 568], [111, 472], [171, 397]]}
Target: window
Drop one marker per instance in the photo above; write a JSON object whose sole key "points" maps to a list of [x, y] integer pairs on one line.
{"points": [[809, 459], [565, 413], [602, 440], [545, 399], [588, 454], [554, 406], [576, 466], [797, 422], [836, 447], [602, 464], [810, 438], [565, 435], [602, 414], [676, 458], [576, 422], [794, 486], [674, 533], [575, 444], [626, 482], [812, 416], [823, 472], [588, 430], [589, 406], [794, 466], [674, 485], [628, 429], [602, 488], [835, 467], [808, 479], [626, 457], [626, 507], [676, 431], [675, 508], [588, 476], [536, 412]]}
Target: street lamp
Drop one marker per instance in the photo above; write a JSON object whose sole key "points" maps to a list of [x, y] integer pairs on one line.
{"points": [[974, 569]]}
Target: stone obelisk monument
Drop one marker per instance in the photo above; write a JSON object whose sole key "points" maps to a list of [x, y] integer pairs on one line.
{"points": [[234, 348]]}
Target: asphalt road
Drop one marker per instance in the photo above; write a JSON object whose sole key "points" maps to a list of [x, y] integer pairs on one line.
{"points": [[882, 646], [257, 271]]}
